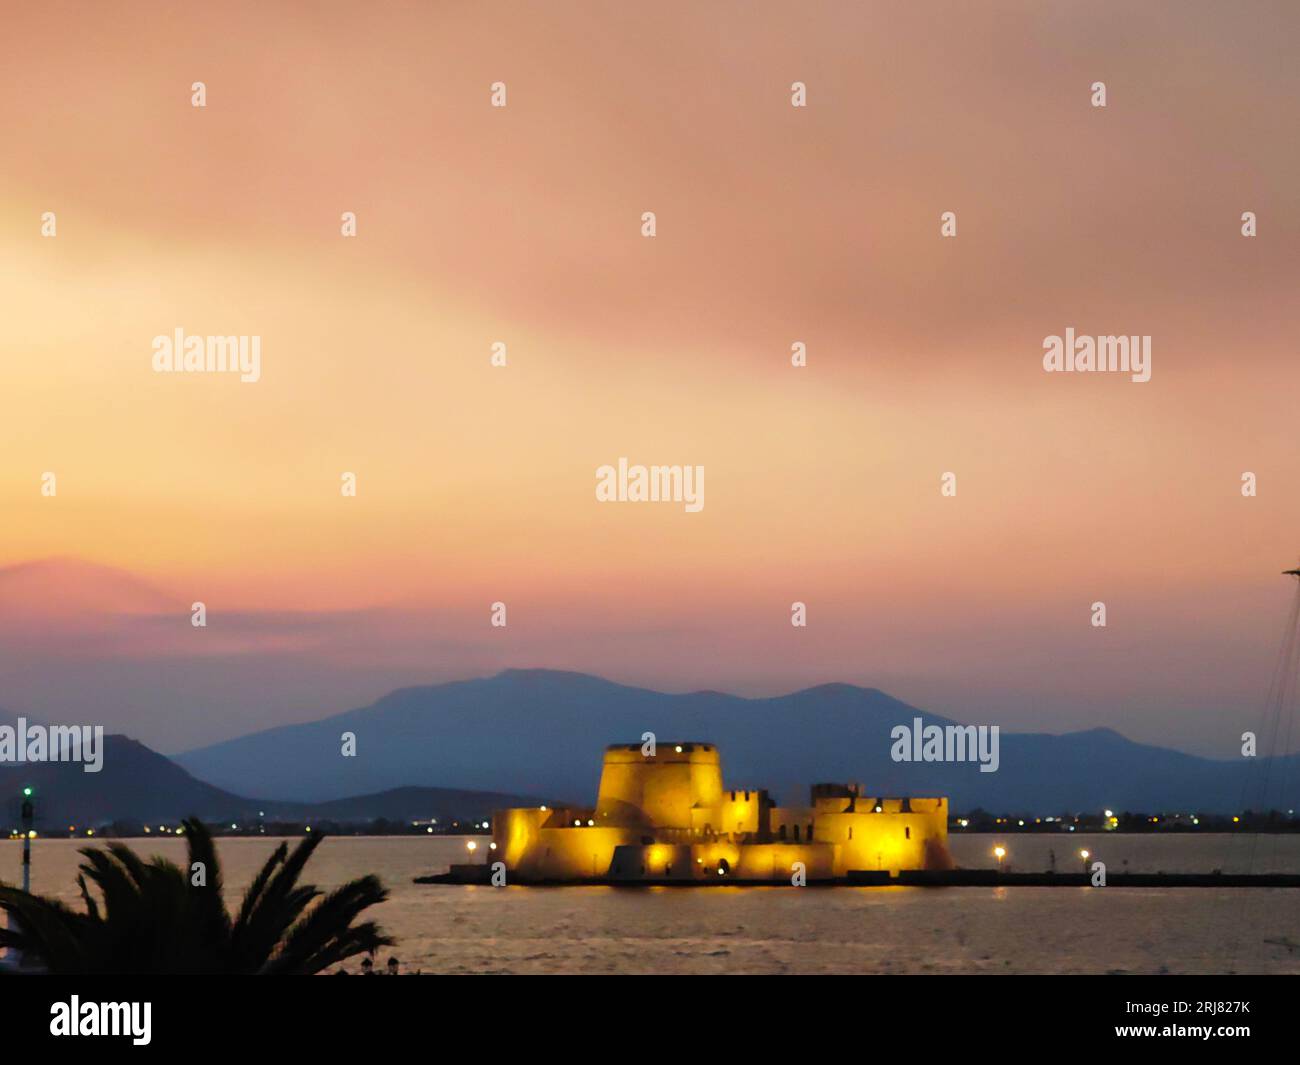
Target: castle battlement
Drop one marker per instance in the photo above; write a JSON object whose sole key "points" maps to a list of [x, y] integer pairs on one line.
{"points": [[667, 816]]}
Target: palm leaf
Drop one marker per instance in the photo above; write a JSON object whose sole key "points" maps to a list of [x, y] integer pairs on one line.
{"points": [[324, 931], [150, 918]]}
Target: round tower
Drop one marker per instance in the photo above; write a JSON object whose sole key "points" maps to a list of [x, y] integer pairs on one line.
{"points": [[658, 790]]}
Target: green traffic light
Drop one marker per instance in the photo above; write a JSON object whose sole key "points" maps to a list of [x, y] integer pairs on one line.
{"points": [[27, 792]]}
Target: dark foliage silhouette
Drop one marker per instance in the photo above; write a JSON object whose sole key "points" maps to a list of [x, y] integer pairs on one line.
{"points": [[153, 917]]}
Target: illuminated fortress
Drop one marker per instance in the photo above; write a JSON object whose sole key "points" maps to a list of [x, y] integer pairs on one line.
{"points": [[667, 817]]}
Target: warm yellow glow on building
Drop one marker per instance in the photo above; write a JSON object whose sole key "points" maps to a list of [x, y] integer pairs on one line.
{"points": [[667, 816]]}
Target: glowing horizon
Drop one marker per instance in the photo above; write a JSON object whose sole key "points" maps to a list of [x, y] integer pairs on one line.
{"points": [[776, 225]]}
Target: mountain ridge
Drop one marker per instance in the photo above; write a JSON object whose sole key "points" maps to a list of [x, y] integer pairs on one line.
{"points": [[538, 731], [137, 784]]}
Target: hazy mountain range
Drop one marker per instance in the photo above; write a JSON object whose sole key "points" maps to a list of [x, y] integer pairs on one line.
{"points": [[460, 750], [138, 784], [541, 732]]}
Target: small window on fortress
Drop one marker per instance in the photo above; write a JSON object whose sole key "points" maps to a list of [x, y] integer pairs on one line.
{"points": [[783, 831], [796, 833], [850, 831], [907, 833]]}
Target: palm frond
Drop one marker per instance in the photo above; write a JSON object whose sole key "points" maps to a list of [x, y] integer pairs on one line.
{"points": [[322, 932], [277, 907], [150, 917]]}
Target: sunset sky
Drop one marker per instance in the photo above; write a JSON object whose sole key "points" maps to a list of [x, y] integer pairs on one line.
{"points": [[775, 224]]}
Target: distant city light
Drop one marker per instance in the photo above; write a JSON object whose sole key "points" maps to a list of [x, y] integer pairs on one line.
{"points": [[471, 846]]}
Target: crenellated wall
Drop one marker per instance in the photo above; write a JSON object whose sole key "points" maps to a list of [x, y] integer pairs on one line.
{"points": [[667, 817]]}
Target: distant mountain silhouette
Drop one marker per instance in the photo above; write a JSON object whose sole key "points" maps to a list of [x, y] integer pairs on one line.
{"points": [[138, 784], [541, 732], [135, 783], [413, 804]]}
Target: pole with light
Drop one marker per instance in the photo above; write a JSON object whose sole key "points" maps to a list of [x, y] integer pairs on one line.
{"points": [[27, 839]]}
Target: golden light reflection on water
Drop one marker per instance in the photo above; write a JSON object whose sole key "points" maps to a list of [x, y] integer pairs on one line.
{"points": [[732, 928]]}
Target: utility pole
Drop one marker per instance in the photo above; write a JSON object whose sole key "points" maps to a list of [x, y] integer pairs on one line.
{"points": [[27, 839], [13, 960]]}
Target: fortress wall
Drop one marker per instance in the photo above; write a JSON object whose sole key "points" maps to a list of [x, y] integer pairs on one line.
{"points": [[701, 861], [677, 794], [571, 853], [705, 858], [775, 861], [515, 834], [891, 841], [655, 861], [790, 816], [733, 816]]}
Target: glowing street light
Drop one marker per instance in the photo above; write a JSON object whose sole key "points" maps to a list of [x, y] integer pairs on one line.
{"points": [[999, 852]]}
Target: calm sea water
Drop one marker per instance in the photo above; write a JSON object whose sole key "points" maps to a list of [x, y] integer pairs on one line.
{"points": [[810, 930]]}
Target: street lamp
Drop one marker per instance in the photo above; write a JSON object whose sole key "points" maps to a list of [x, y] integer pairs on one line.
{"points": [[27, 839], [999, 852]]}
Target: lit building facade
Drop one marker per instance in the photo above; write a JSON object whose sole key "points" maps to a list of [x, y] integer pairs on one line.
{"points": [[667, 817]]}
